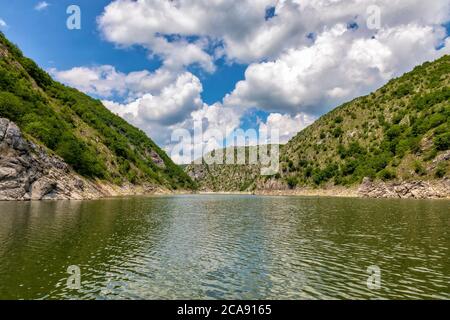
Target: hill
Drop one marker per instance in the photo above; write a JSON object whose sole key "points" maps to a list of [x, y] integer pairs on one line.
{"points": [[97, 144], [227, 177], [398, 134]]}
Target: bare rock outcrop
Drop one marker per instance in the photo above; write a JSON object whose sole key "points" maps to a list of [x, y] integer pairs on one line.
{"points": [[29, 172], [406, 189], [197, 172]]}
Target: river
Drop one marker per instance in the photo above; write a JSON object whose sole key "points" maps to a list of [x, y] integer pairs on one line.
{"points": [[225, 247]]}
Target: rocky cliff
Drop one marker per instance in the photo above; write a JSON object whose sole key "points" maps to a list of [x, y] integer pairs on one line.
{"points": [[96, 144], [29, 171]]}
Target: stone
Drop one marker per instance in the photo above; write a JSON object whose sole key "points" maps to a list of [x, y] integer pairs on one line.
{"points": [[405, 189], [42, 187], [157, 159], [29, 171]]}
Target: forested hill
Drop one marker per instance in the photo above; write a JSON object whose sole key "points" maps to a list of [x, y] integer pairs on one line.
{"points": [[399, 133], [96, 143]]}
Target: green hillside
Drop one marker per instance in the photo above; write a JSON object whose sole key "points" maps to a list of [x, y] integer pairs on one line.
{"points": [[226, 177], [393, 133], [95, 142], [400, 132]]}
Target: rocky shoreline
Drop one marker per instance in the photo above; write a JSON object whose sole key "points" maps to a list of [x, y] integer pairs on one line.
{"points": [[439, 189], [29, 171], [436, 189]]}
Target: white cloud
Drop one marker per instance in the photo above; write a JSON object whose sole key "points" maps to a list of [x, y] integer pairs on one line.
{"points": [[172, 104], [302, 61], [3, 23], [105, 81], [340, 65], [286, 125], [41, 6], [157, 113], [241, 27]]}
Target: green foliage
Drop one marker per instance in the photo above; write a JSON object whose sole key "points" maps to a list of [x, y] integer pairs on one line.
{"points": [[337, 132], [403, 90], [419, 169], [441, 170], [292, 182], [78, 128], [386, 174], [41, 77], [442, 141], [409, 112], [11, 107]]}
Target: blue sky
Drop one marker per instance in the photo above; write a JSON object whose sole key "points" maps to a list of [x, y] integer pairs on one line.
{"points": [[235, 64], [43, 36]]}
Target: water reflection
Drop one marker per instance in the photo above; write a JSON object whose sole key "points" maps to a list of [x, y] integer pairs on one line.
{"points": [[225, 247]]}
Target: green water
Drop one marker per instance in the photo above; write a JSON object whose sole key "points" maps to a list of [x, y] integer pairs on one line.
{"points": [[225, 247]]}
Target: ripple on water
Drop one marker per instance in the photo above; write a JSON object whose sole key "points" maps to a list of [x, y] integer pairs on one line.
{"points": [[225, 247]]}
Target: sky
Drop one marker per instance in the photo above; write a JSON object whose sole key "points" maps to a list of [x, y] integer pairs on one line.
{"points": [[227, 64]]}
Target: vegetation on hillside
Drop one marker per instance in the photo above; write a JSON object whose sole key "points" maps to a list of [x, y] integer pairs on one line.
{"points": [[399, 132], [393, 133], [240, 176], [94, 141]]}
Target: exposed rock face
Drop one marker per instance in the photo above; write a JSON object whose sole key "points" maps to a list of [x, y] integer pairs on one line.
{"points": [[196, 172], [272, 184], [157, 159], [29, 172], [405, 190]]}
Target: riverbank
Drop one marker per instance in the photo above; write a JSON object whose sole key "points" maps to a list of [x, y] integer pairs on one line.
{"points": [[435, 189], [28, 171]]}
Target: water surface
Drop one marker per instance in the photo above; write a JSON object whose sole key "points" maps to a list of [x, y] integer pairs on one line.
{"points": [[225, 247]]}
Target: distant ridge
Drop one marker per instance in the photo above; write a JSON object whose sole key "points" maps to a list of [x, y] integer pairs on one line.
{"points": [[396, 135]]}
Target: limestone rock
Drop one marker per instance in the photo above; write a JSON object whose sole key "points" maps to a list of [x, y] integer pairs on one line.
{"points": [[405, 189], [30, 172], [157, 159]]}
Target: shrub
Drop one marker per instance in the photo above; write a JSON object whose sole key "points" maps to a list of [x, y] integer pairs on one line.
{"points": [[442, 142], [419, 169], [292, 182], [11, 107], [338, 132], [403, 90], [338, 119], [394, 132], [386, 174], [441, 170], [349, 167]]}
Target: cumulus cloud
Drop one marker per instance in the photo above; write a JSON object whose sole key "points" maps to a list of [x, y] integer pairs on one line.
{"points": [[241, 25], [304, 58], [170, 106], [41, 6], [3, 23], [105, 81], [340, 65], [287, 126]]}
